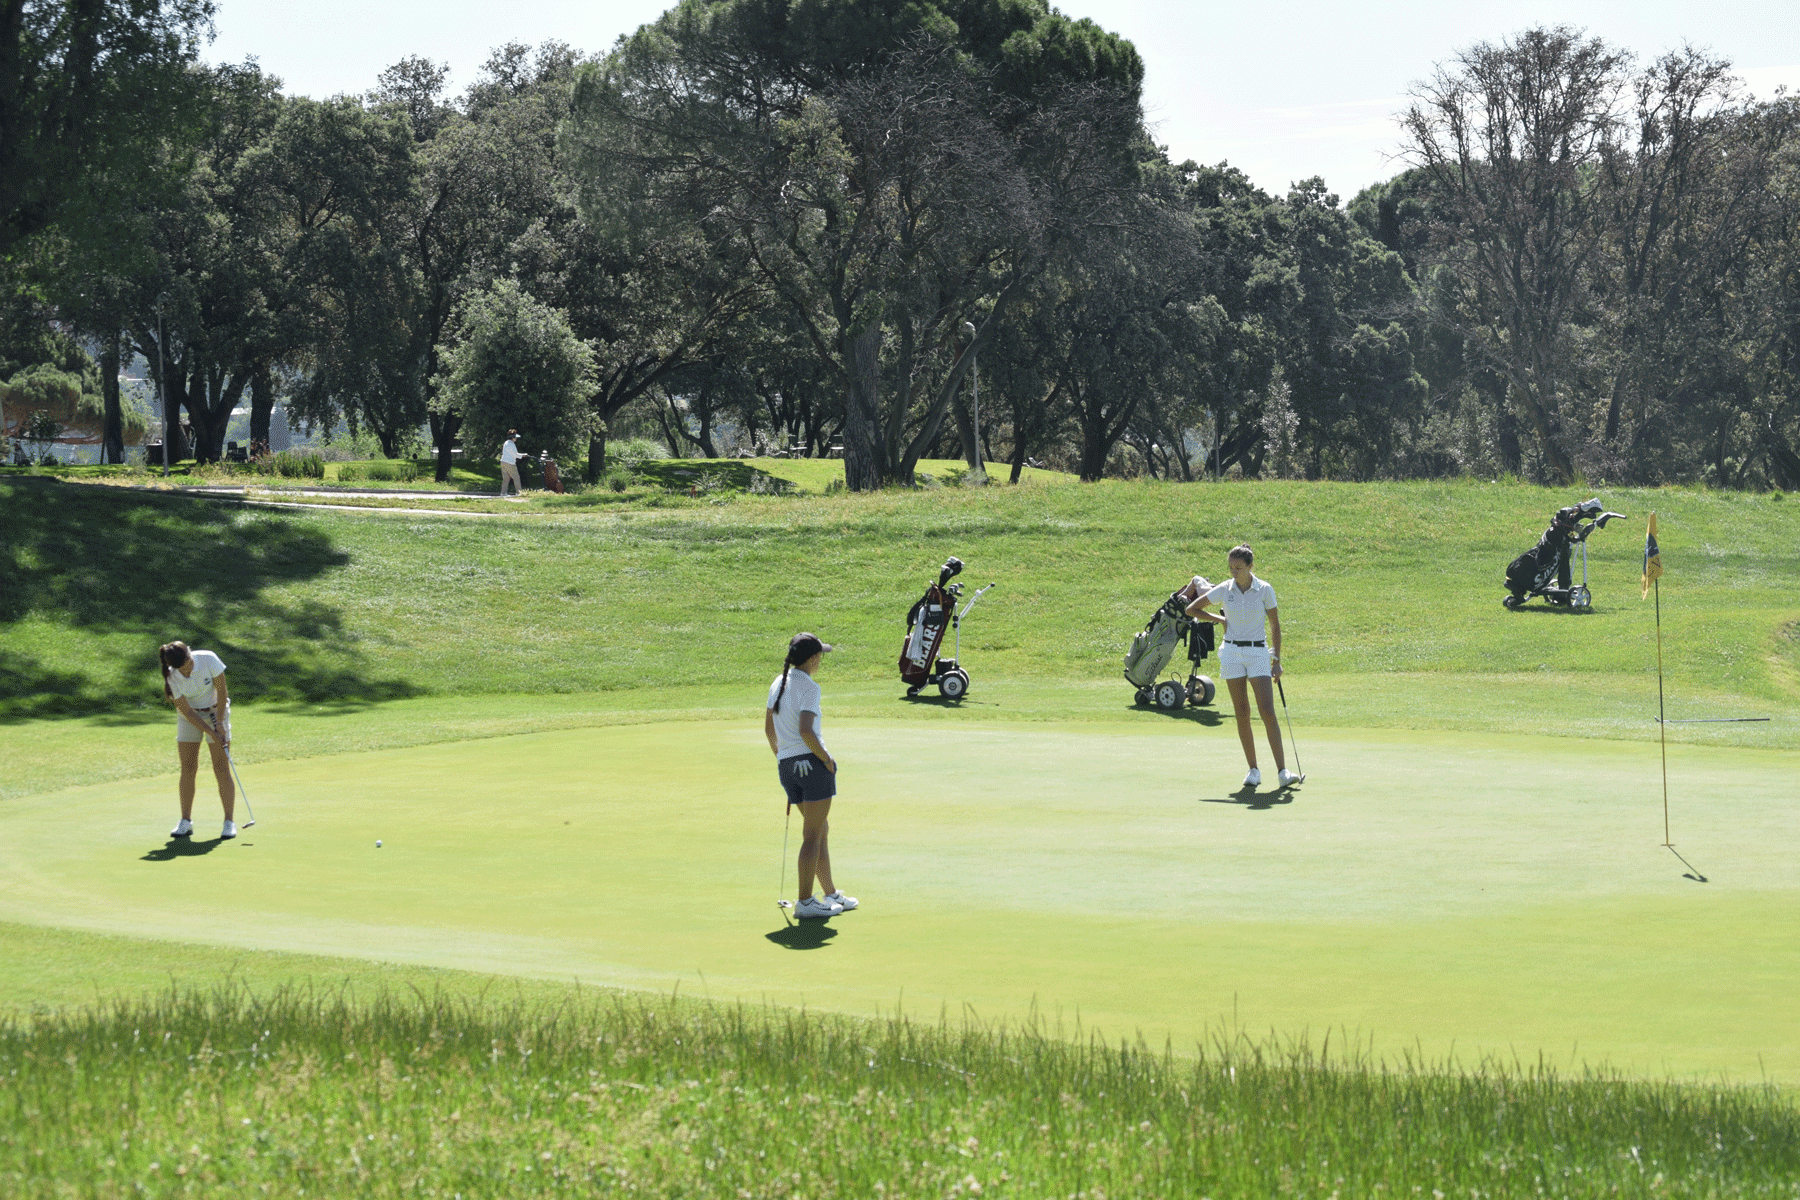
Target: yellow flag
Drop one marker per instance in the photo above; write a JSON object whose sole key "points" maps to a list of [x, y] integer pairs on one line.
{"points": [[1652, 558]]}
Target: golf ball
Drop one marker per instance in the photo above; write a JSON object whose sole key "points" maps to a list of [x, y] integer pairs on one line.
{"points": [[378, 843]]}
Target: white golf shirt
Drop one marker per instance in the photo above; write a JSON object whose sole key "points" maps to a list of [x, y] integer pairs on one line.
{"points": [[1244, 609], [509, 453], [199, 689], [802, 695]]}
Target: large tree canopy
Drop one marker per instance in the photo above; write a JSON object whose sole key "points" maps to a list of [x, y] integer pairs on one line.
{"points": [[887, 170], [89, 90]]}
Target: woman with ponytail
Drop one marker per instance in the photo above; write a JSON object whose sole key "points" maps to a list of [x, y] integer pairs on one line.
{"points": [[1249, 656], [807, 771], [194, 682]]}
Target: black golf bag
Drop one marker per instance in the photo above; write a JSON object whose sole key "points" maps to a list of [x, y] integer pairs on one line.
{"points": [[926, 624], [1151, 650], [1544, 570]]}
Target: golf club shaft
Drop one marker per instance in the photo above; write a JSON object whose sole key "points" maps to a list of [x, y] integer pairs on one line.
{"points": [[1290, 724], [787, 826], [238, 779]]}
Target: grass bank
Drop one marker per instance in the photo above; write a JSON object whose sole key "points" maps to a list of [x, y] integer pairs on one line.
{"points": [[1376, 582]]}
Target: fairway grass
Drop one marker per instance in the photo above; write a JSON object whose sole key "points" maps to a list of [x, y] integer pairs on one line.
{"points": [[1412, 896]]}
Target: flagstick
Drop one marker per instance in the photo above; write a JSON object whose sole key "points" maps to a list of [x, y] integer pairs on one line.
{"points": [[1662, 725]]}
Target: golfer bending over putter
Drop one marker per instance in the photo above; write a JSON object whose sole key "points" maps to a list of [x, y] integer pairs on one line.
{"points": [[808, 772], [194, 682], [1246, 654]]}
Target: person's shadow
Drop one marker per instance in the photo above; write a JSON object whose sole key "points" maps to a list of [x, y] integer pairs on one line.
{"points": [[804, 935], [187, 847], [1255, 801]]}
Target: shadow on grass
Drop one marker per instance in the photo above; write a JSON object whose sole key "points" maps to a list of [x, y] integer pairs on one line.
{"points": [[803, 935], [104, 561], [188, 847], [1212, 718], [1255, 801]]}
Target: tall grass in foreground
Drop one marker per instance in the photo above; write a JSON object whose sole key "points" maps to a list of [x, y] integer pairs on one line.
{"points": [[318, 1093]]}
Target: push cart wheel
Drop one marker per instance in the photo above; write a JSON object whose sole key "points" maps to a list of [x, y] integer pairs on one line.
{"points": [[1143, 696], [1511, 602], [1201, 690], [1170, 694], [953, 685], [1581, 599]]}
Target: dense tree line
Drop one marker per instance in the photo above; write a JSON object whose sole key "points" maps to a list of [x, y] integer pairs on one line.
{"points": [[771, 224]]}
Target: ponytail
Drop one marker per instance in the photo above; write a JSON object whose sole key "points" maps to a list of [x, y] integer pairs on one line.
{"points": [[171, 656], [785, 668]]}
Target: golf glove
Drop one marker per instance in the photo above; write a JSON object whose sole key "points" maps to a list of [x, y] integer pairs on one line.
{"points": [[803, 768]]}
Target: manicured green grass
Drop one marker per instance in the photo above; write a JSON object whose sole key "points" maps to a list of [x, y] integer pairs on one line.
{"points": [[1466, 893], [311, 1091]]}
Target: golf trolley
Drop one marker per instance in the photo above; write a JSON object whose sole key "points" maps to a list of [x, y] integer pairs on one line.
{"points": [[930, 618], [1151, 650], [1544, 570]]}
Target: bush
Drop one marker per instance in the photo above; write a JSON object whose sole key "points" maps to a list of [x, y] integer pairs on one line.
{"points": [[352, 472], [289, 464], [632, 452], [394, 470]]}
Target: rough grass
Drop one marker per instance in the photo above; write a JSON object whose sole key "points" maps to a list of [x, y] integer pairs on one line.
{"points": [[307, 1090]]}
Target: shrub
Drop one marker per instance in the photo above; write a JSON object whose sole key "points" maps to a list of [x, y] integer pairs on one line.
{"points": [[394, 470]]}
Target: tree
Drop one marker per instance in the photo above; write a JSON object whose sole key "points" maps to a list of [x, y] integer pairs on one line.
{"points": [[89, 90], [1514, 137], [516, 364], [887, 170]]}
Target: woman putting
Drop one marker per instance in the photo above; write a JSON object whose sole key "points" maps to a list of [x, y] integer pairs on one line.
{"points": [[1247, 655], [194, 682], [808, 772]]}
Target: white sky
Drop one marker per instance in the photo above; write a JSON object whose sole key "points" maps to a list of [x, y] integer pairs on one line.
{"points": [[1282, 92]]}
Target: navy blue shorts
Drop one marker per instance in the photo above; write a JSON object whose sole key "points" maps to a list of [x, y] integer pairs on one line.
{"points": [[805, 778]]}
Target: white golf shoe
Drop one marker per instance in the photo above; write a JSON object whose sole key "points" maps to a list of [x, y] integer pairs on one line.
{"points": [[838, 898], [183, 828], [1253, 778], [812, 906], [230, 831], [1287, 778]]}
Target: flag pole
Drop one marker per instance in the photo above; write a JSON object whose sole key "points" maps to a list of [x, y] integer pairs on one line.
{"points": [[1662, 724]]}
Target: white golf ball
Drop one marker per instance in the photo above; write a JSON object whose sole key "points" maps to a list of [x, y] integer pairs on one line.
{"points": [[378, 843]]}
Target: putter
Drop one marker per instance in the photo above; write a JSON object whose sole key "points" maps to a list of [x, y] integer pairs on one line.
{"points": [[1290, 724], [241, 794], [781, 873]]}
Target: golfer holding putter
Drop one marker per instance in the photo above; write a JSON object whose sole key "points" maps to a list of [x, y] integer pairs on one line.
{"points": [[1246, 655], [194, 682], [808, 772]]}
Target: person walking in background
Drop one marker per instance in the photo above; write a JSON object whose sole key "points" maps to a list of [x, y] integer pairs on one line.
{"points": [[806, 769], [194, 682], [1247, 658], [509, 464]]}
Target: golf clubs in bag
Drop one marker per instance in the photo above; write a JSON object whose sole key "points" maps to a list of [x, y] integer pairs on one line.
{"points": [[1151, 650], [930, 619], [1544, 570]]}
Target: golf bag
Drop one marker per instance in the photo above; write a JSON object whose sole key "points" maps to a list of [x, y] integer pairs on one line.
{"points": [[930, 619], [1151, 650], [552, 476], [1544, 570]]}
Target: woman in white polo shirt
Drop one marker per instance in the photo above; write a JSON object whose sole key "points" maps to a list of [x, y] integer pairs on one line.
{"points": [[194, 682], [1247, 657], [807, 771]]}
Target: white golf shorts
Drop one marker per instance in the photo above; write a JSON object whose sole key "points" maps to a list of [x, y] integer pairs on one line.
{"points": [[1243, 662], [186, 731]]}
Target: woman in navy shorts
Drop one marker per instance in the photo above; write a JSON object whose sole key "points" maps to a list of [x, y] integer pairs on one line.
{"points": [[1249, 656], [807, 770]]}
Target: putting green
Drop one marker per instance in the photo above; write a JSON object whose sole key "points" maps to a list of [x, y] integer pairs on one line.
{"points": [[1439, 894]]}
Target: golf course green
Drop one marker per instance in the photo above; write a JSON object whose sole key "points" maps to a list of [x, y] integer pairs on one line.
{"points": [[1448, 896]]}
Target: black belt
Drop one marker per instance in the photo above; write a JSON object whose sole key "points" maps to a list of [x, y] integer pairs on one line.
{"points": [[1244, 643]]}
